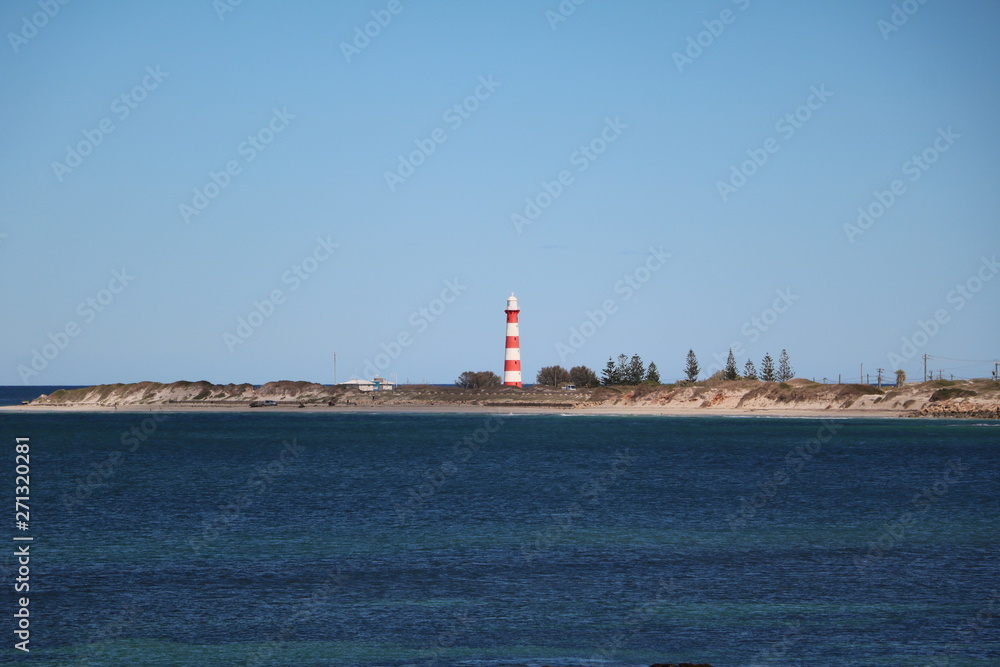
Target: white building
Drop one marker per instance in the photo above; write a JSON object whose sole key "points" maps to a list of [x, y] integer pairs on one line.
{"points": [[378, 384]]}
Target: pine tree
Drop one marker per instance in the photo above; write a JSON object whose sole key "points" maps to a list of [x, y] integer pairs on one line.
{"points": [[691, 370], [652, 374], [731, 372], [621, 369], [609, 376], [635, 371], [749, 372], [767, 369], [785, 372]]}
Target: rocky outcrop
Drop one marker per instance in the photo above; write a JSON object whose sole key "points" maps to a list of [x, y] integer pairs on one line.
{"points": [[960, 409]]}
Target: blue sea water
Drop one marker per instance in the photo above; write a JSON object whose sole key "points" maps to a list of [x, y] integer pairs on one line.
{"points": [[16, 394], [300, 538]]}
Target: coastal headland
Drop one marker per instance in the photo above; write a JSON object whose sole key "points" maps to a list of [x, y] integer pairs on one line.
{"points": [[978, 399]]}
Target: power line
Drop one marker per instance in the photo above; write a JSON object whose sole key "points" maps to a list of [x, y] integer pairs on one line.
{"points": [[971, 361]]}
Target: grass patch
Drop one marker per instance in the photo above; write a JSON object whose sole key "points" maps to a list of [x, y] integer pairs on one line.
{"points": [[860, 390], [950, 392]]}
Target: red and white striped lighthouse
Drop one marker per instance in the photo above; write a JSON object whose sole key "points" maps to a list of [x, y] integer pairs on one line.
{"points": [[512, 350]]}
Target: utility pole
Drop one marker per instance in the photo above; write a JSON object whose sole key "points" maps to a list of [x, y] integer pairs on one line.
{"points": [[996, 368], [335, 368], [925, 367], [879, 378], [861, 379]]}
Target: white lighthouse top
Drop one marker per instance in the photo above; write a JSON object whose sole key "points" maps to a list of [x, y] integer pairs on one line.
{"points": [[512, 302]]}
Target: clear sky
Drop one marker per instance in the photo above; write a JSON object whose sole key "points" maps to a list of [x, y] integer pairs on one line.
{"points": [[674, 169]]}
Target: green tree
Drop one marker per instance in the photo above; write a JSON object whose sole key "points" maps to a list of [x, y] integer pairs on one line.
{"points": [[609, 376], [635, 371], [785, 372], [478, 379], [621, 369], [652, 374], [731, 372], [691, 369], [749, 372], [583, 376], [767, 369], [900, 377], [553, 376]]}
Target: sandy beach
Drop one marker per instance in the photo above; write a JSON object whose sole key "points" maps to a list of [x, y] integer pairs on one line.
{"points": [[616, 410]]}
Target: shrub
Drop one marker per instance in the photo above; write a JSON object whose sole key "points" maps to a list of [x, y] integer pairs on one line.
{"points": [[951, 392]]}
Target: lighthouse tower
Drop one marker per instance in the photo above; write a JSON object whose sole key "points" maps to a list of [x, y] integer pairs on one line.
{"points": [[512, 351]]}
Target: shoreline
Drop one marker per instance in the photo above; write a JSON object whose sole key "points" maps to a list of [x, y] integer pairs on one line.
{"points": [[600, 411], [795, 399]]}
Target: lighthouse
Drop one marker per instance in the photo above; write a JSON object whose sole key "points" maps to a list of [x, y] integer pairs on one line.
{"points": [[512, 350]]}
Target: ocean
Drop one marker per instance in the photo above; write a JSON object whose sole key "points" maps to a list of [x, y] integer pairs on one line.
{"points": [[308, 539]]}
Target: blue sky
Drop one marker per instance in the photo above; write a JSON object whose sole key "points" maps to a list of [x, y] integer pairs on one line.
{"points": [[172, 169]]}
